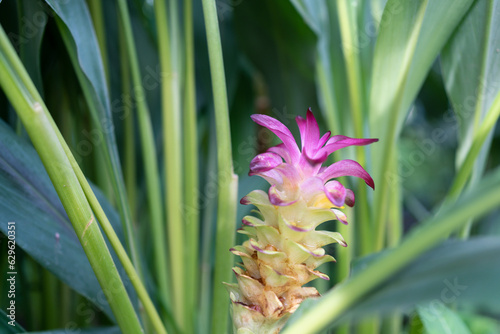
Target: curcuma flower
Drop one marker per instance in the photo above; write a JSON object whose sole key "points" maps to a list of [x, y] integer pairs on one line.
{"points": [[284, 247]]}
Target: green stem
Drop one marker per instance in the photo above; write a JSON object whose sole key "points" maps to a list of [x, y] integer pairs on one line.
{"points": [[480, 136], [228, 181], [129, 158], [191, 183], [392, 324], [428, 235], [117, 246], [382, 198], [101, 179], [172, 142], [467, 166], [395, 220], [95, 7], [328, 96], [344, 258], [113, 238], [39, 125], [175, 46], [149, 156], [357, 102], [207, 237], [478, 115], [345, 255], [111, 153]]}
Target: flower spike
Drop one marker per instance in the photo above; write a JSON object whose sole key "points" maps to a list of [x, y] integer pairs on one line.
{"points": [[285, 248]]}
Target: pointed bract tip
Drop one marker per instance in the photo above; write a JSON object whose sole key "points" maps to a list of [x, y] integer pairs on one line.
{"points": [[370, 183], [261, 119], [264, 162], [255, 116], [246, 222], [310, 116]]}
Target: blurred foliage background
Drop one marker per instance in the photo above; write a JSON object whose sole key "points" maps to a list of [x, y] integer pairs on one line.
{"points": [[280, 58]]}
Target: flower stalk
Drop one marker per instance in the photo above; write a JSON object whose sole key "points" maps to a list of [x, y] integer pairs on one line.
{"points": [[284, 248]]}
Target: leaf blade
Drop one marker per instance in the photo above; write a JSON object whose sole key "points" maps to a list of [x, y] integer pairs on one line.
{"points": [[29, 199]]}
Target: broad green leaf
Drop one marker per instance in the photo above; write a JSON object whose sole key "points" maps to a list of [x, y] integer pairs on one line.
{"points": [[43, 229], [411, 35], [352, 293], [456, 272], [77, 31], [439, 319], [462, 272], [471, 72], [394, 51]]}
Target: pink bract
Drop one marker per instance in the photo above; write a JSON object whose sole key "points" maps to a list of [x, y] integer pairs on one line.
{"points": [[296, 173]]}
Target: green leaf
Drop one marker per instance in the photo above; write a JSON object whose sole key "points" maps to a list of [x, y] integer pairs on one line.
{"points": [[410, 38], [348, 295], [471, 72], [439, 319], [471, 67], [56, 157], [446, 275], [78, 33], [28, 198], [449, 273], [412, 33]]}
